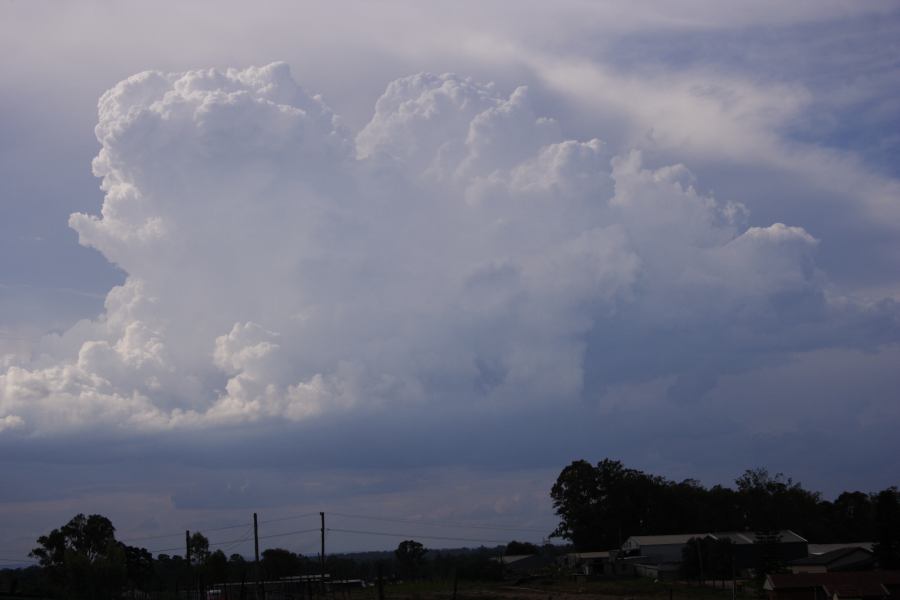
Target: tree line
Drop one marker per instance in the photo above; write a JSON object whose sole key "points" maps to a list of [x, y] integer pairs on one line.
{"points": [[600, 506], [83, 559]]}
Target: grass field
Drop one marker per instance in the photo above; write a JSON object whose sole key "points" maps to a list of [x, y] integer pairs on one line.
{"points": [[623, 589]]}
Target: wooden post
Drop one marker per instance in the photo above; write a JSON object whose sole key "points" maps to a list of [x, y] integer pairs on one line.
{"points": [[380, 581], [322, 553], [259, 583]]}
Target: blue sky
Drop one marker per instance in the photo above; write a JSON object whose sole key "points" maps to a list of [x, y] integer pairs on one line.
{"points": [[411, 264]]}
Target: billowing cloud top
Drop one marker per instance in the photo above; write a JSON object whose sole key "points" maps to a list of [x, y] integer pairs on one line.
{"points": [[458, 251]]}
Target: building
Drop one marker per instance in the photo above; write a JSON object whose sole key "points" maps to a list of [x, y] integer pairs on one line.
{"points": [[588, 563], [849, 558], [659, 548], [659, 556], [517, 565], [847, 585]]}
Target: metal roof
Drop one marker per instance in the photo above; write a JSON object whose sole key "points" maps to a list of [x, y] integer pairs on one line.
{"points": [[829, 557], [823, 548], [786, 536], [848, 584]]}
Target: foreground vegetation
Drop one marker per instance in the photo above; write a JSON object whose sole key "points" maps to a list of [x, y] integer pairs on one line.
{"points": [[599, 506]]}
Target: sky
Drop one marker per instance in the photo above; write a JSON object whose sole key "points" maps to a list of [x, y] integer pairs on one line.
{"points": [[402, 262]]}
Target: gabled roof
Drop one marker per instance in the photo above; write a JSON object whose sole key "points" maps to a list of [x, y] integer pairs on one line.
{"points": [[588, 555], [855, 584], [830, 557], [786, 536], [823, 548], [508, 559], [664, 540]]}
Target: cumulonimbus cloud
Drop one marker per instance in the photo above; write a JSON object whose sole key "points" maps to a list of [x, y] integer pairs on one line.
{"points": [[456, 250]]}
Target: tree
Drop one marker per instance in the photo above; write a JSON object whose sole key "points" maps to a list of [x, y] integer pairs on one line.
{"points": [[138, 565], [852, 517], [707, 558], [216, 567], [83, 558], [515, 547], [774, 502], [410, 555], [198, 546], [887, 528], [278, 562], [601, 506], [576, 495]]}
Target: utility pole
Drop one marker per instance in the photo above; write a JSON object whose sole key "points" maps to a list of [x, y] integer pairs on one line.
{"points": [[700, 560], [733, 581], [256, 553], [322, 553], [187, 553]]}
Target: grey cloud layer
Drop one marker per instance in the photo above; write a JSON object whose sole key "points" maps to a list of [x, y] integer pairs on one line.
{"points": [[456, 254]]}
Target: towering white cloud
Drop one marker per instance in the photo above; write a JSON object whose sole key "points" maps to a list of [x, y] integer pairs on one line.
{"points": [[457, 250]]}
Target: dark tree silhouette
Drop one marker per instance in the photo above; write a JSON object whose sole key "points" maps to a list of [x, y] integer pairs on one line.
{"points": [[887, 528], [410, 556], [82, 558], [278, 562], [515, 547], [198, 544]]}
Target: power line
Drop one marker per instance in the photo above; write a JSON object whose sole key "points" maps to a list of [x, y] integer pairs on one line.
{"points": [[165, 550], [222, 528], [439, 523], [19, 560], [416, 535], [211, 545], [153, 537], [298, 532], [246, 538], [288, 518], [180, 533]]}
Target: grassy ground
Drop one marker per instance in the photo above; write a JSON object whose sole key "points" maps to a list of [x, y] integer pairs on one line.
{"points": [[623, 589]]}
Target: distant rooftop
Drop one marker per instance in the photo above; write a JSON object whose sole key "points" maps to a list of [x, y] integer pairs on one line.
{"points": [[737, 537], [824, 548]]}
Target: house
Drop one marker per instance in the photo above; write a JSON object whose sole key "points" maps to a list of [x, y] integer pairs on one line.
{"points": [[523, 564], [746, 547], [659, 548], [588, 563], [847, 585], [659, 556], [823, 548], [849, 558], [655, 556]]}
